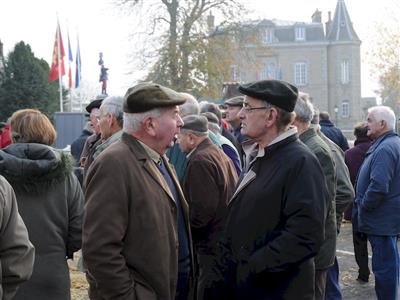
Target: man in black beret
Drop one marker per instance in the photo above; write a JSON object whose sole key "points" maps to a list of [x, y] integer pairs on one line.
{"points": [[92, 108], [275, 221], [208, 169], [137, 217]]}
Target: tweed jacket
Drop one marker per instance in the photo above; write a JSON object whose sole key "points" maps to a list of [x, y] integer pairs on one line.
{"points": [[326, 255], [130, 237]]}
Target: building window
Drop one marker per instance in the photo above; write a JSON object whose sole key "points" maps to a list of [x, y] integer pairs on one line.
{"points": [[345, 109], [235, 73], [300, 33], [268, 35], [300, 73], [345, 72], [268, 71]]}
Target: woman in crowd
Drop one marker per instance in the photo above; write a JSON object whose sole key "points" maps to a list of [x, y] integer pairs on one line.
{"points": [[50, 201]]}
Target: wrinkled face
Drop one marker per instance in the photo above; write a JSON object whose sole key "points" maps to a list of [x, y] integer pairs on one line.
{"points": [[104, 124], [167, 127], [375, 127], [93, 120], [184, 142], [232, 114], [253, 116]]}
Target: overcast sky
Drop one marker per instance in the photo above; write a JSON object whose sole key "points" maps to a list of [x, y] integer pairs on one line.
{"points": [[102, 30]]}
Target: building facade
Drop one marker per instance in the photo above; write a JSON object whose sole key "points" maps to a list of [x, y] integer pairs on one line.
{"points": [[320, 59]]}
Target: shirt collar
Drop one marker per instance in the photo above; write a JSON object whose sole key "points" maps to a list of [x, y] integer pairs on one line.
{"points": [[153, 154]]}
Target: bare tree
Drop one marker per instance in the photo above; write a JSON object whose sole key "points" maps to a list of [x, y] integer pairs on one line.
{"points": [[175, 37], [384, 58]]}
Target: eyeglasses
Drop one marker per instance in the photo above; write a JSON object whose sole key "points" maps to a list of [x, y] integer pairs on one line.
{"points": [[248, 109]]}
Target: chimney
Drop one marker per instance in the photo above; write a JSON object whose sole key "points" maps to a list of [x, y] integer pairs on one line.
{"points": [[210, 23], [316, 17], [328, 24]]}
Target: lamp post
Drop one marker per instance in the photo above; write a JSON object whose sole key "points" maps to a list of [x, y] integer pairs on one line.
{"points": [[336, 110]]}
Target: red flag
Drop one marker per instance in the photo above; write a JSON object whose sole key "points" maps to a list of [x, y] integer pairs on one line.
{"points": [[54, 71]]}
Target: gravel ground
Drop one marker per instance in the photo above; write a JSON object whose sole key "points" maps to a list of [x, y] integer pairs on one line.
{"points": [[351, 288]]}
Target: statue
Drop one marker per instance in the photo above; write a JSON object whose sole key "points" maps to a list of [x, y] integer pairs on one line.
{"points": [[103, 75]]}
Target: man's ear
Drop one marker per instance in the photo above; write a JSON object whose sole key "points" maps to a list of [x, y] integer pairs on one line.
{"points": [[149, 126], [271, 117]]}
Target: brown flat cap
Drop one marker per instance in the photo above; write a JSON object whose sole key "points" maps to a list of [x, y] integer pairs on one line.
{"points": [[235, 101], [146, 96], [195, 123], [279, 93]]}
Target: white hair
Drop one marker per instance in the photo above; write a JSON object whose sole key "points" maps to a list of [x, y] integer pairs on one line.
{"points": [[113, 105], [133, 121], [304, 109], [384, 113]]}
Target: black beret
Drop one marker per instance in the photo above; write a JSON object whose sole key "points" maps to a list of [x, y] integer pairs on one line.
{"points": [[195, 123], [96, 103], [147, 96], [211, 117], [276, 92], [235, 101]]}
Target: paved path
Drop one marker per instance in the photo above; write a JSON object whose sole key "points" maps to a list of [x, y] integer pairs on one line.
{"points": [[351, 288]]}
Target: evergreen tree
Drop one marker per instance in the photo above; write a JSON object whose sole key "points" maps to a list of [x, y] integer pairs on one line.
{"points": [[26, 84]]}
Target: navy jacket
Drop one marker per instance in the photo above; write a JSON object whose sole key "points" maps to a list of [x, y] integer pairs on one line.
{"points": [[334, 134], [377, 204]]}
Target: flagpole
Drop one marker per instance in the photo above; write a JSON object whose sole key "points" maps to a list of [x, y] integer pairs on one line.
{"points": [[69, 73], [59, 65]]}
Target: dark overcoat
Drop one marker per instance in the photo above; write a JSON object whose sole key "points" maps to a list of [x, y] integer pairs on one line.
{"points": [[210, 170], [275, 227], [130, 237]]}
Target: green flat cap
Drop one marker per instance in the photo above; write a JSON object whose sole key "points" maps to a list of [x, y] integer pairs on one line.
{"points": [[279, 93], [235, 101], [195, 123], [147, 96]]}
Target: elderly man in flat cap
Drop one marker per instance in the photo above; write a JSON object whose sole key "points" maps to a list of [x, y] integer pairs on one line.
{"points": [[136, 233], [210, 170], [275, 222]]}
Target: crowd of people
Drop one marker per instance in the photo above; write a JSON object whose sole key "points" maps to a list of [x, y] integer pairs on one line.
{"points": [[169, 198]]}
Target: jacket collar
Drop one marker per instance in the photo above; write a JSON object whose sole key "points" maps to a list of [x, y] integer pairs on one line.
{"points": [[308, 134], [263, 153], [379, 140], [326, 123], [149, 165]]}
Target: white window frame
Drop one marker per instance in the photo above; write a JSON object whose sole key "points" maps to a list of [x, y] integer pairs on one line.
{"points": [[345, 109], [300, 73], [268, 71], [235, 73], [300, 33], [267, 35], [345, 72]]}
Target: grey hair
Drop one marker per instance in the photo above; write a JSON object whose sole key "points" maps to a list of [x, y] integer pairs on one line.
{"points": [[114, 105], [211, 107], [304, 109], [384, 113], [190, 107], [196, 133], [133, 122]]}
